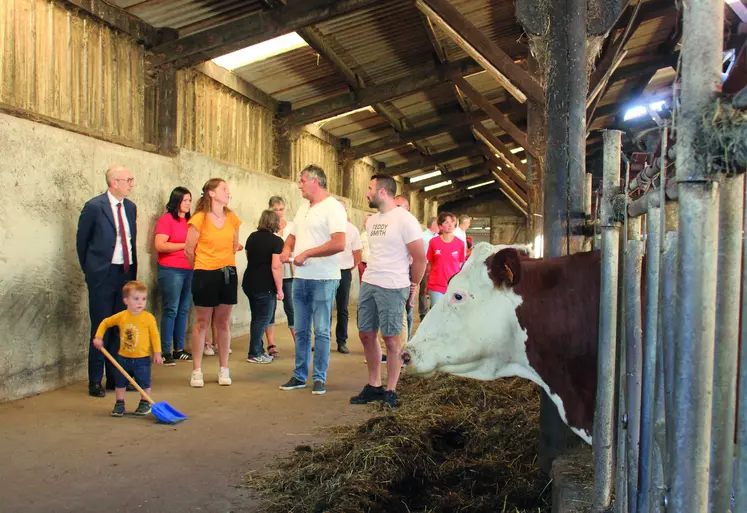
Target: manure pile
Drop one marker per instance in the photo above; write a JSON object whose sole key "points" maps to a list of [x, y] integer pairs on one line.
{"points": [[455, 445]]}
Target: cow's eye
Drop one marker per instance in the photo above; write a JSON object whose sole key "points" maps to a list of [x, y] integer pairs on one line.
{"points": [[458, 297]]}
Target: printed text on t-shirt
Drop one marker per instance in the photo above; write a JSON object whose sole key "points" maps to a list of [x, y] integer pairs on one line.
{"points": [[378, 230]]}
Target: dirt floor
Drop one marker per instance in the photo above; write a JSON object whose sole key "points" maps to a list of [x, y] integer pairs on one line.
{"points": [[61, 451]]}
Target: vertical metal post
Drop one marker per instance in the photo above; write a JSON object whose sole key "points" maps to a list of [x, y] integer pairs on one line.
{"points": [[604, 409], [633, 335], [702, 41], [648, 381], [731, 203], [667, 306], [740, 478]]}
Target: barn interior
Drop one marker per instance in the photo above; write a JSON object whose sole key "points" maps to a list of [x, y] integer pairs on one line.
{"points": [[495, 109]]}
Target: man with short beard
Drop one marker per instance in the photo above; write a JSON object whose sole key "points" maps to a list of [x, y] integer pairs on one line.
{"points": [[394, 237]]}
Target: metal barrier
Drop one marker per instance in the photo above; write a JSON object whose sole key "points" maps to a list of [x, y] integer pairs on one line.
{"points": [[676, 414]]}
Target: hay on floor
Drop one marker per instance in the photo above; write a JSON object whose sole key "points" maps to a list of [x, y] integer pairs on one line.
{"points": [[455, 445]]}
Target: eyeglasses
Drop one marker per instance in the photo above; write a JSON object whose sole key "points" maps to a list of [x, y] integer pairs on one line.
{"points": [[128, 180]]}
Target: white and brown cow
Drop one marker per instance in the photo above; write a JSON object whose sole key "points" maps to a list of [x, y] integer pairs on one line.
{"points": [[505, 315]]}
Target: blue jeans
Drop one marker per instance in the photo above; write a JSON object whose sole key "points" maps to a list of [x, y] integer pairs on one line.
{"points": [[262, 307], [435, 296], [176, 293], [312, 302]]}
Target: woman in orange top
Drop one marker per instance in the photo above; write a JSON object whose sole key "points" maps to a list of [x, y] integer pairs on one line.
{"points": [[212, 243]]}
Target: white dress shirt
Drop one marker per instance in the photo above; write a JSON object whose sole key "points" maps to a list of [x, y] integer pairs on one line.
{"points": [[118, 257]]}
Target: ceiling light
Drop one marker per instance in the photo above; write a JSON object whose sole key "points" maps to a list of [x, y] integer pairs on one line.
{"points": [[524, 161], [437, 172], [516, 150], [437, 185], [483, 184], [642, 110], [261, 51]]}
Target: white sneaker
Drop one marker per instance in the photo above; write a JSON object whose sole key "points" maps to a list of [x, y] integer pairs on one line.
{"points": [[230, 350], [223, 376], [208, 351], [196, 379]]}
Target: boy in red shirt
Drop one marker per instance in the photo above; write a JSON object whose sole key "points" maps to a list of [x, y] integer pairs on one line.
{"points": [[445, 257]]}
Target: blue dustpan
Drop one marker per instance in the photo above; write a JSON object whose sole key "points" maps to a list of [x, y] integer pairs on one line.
{"points": [[162, 411]]}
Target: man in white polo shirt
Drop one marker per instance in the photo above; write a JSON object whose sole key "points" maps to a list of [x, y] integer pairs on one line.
{"points": [[349, 259], [394, 237], [316, 238], [460, 232]]}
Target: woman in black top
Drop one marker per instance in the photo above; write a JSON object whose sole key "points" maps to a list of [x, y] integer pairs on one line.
{"points": [[263, 280]]}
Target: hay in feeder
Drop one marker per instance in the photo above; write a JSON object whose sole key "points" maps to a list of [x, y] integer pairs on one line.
{"points": [[455, 445], [724, 140]]}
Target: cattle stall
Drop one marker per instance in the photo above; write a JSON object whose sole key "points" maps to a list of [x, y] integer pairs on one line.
{"points": [[670, 426]]}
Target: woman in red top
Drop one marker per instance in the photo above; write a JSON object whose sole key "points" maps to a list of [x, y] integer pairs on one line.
{"points": [[174, 274], [445, 257]]}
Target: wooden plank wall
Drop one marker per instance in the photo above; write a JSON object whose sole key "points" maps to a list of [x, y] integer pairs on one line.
{"points": [[362, 173], [71, 68], [215, 121], [307, 149]]}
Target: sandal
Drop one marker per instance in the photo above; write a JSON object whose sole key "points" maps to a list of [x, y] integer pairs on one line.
{"points": [[273, 351]]}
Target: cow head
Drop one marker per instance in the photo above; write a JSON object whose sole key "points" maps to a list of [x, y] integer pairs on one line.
{"points": [[473, 331]]}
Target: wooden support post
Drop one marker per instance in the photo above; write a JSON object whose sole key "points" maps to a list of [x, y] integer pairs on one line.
{"points": [[282, 157], [535, 166], [166, 119]]}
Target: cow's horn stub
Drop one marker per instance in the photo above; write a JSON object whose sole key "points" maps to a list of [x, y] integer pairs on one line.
{"points": [[504, 267]]}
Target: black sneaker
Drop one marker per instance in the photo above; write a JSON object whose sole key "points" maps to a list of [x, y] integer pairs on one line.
{"points": [[343, 348], [168, 360], [131, 388], [390, 398], [319, 388], [183, 356], [96, 390], [293, 384], [368, 395], [143, 408], [118, 410]]}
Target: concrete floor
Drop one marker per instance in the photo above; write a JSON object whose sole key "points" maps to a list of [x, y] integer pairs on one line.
{"points": [[62, 452]]}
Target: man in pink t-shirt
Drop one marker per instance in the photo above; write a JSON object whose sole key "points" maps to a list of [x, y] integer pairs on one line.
{"points": [[445, 257]]}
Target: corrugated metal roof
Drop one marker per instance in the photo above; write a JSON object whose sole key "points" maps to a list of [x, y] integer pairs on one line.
{"points": [[298, 76], [189, 16]]}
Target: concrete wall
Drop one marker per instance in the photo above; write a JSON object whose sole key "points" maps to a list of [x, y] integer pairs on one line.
{"points": [[47, 176]]}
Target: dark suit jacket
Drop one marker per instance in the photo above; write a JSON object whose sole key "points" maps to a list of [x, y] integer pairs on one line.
{"points": [[97, 238]]}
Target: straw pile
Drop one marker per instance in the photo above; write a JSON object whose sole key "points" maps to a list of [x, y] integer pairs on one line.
{"points": [[455, 445], [725, 137]]}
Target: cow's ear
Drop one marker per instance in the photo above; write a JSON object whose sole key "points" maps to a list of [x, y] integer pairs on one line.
{"points": [[505, 268]]}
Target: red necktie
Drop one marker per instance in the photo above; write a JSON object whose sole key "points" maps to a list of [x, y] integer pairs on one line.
{"points": [[123, 238]]}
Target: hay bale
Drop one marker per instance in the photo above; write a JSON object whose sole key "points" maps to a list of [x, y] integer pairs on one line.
{"points": [[724, 141], [454, 445]]}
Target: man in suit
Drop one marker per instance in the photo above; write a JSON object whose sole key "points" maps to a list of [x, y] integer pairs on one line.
{"points": [[107, 231]]}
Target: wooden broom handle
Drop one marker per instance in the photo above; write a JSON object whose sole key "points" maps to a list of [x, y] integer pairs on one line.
{"points": [[129, 378]]}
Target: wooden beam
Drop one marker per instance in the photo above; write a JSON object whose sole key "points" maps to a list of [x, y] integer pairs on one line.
{"points": [[439, 126], [166, 117], [515, 79], [432, 160], [237, 85], [496, 146], [498, 163], [379, 93], [315, 39], [497, 116], [119, 19], [506, 184], [241, 33], [449, 175]]}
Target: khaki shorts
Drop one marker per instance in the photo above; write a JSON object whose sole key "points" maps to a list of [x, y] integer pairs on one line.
{"points": [[381, 308]]}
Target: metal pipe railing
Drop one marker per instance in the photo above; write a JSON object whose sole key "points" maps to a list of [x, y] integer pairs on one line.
{"points": [[633, 354], [604, 409], [740, 477], [648, 375], [667, 302], [731, 204], [702, 41]]}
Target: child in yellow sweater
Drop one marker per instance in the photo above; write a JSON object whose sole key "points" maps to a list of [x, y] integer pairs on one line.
{"points": [[137, 334]]}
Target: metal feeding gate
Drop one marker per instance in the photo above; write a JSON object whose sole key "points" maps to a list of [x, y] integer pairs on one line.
{"points": [[673, 263]]}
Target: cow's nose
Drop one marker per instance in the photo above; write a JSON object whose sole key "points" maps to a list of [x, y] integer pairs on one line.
{"points": [[405, 356]]}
